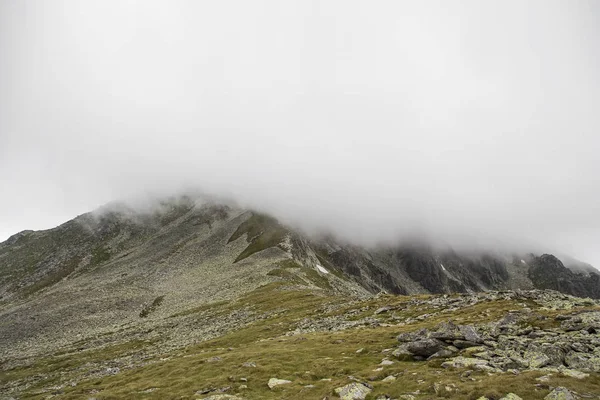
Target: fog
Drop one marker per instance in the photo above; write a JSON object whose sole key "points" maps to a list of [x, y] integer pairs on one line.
{"points": [[468, 122]]}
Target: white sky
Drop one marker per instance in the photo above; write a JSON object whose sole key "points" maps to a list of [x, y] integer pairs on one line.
{"points": [[467, 120]]}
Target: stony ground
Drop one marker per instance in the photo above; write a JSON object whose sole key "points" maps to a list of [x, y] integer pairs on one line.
{"points": [[285, 340]]}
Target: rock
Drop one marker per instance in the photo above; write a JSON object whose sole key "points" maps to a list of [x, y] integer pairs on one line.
{"points": [[273, 382], [545, 378], [353, 391], [382, 310], [214, 359], [385, 362], [425, 347], [474, 350], [535, 359], [407, 397], [574, 373], [402, 353], [447, 331], [222, 397], [412, 336], [464, 362], [588, 321], [470, 334], [440, 388], [560, 393], [443, 353], [390, 378], [463, 344], [511, 396], [249, 365], [583, 361]]}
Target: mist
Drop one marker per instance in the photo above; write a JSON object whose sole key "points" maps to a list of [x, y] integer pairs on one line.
{"points": [[471, 123]]}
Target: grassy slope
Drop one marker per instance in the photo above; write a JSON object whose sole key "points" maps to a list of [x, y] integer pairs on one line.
{"points": [[304, 359], [262, 232]]}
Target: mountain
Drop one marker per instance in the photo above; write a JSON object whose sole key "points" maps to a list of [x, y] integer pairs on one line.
{"points": [[119, 280]]}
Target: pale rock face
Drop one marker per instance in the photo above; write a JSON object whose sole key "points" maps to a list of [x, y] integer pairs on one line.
{"points": [[322, 270]]}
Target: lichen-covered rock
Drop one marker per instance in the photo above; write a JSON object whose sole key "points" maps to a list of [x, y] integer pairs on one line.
{"points": [[583, 361], [560, 393], [353, 391], [589, 321], [535, 359], [511, 396]]}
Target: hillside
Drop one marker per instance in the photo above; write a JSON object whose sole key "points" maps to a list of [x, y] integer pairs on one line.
{"points": [[186, 297]]}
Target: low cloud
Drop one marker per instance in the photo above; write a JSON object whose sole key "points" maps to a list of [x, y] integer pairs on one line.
{"points": [[472, 124]]}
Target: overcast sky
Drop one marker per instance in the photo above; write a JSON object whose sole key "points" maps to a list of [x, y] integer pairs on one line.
{"points": [[375, 119]]}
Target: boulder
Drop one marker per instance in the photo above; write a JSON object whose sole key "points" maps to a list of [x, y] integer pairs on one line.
{"points": [[425, 347], [535, 359], [402, 353], [470, 334], [447, 331], [560, 393], [443, 353], [353, 391]]}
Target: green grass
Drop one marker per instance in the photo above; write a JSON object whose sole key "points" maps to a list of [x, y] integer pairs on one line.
{"points": [[262, 231], [304, 359], [64, 270], [99, 255]]}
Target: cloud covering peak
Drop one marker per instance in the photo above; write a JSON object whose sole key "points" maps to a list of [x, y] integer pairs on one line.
{"points": [[466, 121]]}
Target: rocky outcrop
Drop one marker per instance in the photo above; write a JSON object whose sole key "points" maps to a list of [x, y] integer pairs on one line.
{"points": [[548, 272], [511, 344]]}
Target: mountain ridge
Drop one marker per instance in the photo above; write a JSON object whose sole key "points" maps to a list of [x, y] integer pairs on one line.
{"points": [[119, 288]]}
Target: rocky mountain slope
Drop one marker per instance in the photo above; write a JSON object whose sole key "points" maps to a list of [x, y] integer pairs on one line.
{"points": [[121, 289]]}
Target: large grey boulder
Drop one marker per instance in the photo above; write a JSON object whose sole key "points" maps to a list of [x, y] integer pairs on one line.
{"points": [[425, 347], [470, 334]]}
